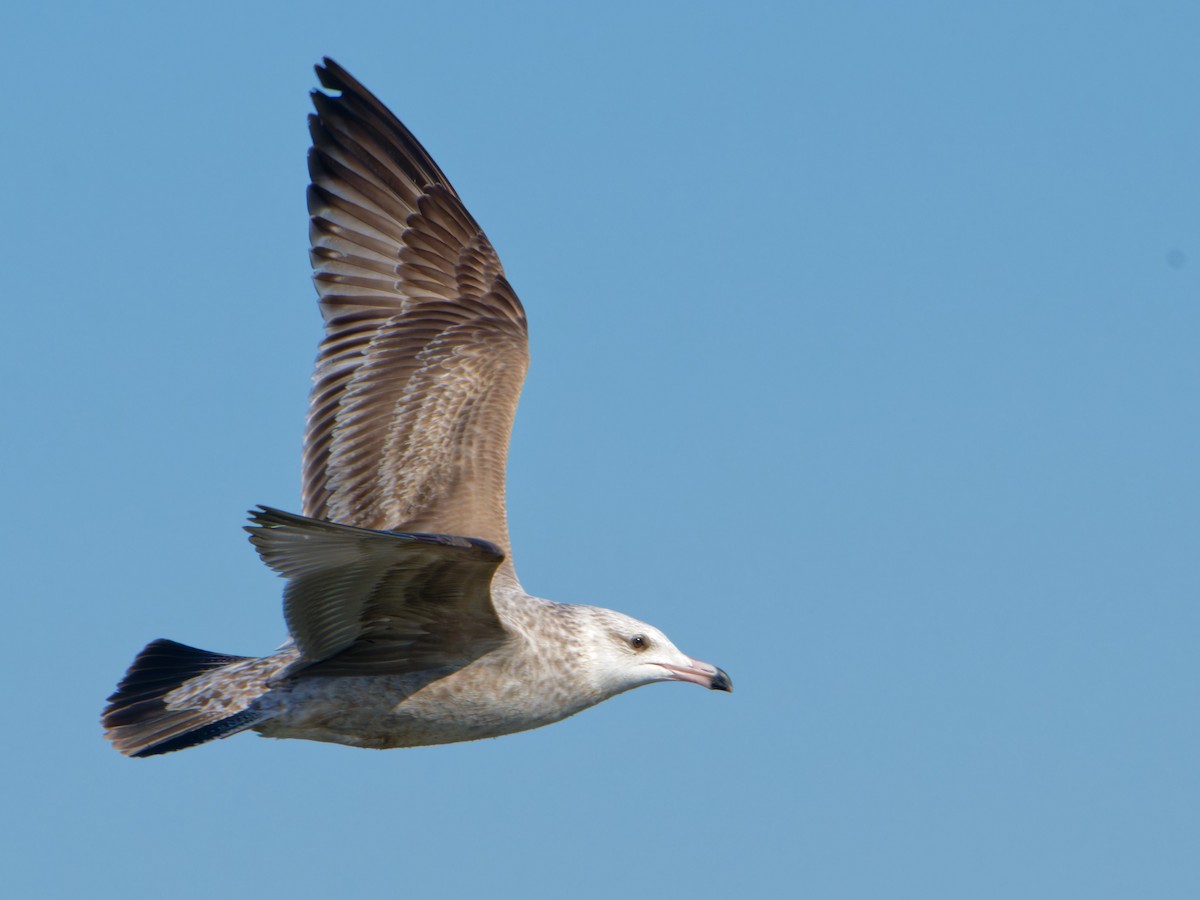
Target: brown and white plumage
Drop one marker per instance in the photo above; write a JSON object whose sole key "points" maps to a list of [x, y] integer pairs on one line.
{"points": [[425, 342], [407, 623]]}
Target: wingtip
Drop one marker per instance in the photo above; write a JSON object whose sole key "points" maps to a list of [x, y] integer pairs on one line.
{"points": [[263, 518], [333, 77]]}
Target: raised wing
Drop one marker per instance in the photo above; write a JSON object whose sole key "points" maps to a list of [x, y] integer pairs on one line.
{"points": [[361, 602], [425, 344]]}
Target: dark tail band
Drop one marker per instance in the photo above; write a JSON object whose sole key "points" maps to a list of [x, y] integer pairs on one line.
{"points": [[137, 719]]}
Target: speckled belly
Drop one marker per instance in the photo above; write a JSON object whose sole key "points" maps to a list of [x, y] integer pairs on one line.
{"points": [[413, 710]]}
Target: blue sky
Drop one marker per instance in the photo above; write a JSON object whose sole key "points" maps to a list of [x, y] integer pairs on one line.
{"points": [[865, 365]]}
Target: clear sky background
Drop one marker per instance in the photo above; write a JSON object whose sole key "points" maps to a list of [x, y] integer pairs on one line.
{"points": [[866, 360]]}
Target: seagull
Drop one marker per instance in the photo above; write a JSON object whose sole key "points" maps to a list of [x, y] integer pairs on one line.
{"points": [[407, 623]]}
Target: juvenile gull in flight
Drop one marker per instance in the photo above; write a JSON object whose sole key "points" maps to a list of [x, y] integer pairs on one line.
{"points": [[407, 623]]}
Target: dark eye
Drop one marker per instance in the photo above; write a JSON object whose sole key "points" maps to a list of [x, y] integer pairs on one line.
{"points": [[638, 642]]}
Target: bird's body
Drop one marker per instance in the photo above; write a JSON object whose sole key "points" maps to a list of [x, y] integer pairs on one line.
{"points": [[408, 623], [518, 686]]}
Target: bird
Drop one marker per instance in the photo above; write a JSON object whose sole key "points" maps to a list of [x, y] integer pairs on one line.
{"points": [[407, 623]]}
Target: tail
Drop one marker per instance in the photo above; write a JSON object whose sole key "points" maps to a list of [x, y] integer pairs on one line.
{"points": [[140, 722]]}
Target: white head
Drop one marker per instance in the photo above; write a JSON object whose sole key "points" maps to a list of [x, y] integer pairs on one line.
{"points": [[624, 653]]}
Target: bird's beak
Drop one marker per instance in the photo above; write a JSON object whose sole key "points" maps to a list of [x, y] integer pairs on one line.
{"points": [[701, 673]]}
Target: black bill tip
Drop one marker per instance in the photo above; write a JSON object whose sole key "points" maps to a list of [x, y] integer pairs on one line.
{"points": [[721, 682]]}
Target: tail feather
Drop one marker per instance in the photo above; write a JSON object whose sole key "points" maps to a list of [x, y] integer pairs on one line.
{"points": [[138, 720], [219, 729]]}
